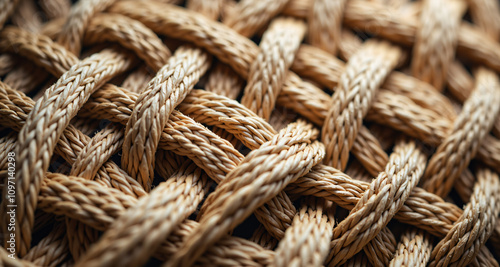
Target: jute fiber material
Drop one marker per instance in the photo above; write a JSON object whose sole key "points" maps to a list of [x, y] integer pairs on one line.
{"points": [[249, 133]]}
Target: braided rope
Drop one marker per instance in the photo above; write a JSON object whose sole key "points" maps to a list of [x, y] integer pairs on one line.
{"points": [[325, 24], [436, 40], [268, 71], [153, 108], [470, 128], [371, 214], [306, 242], [476, 224], [249, 16], [283, 169], [100, 67], [179, 134], [354, 95], [161, 211], [414, 249]]}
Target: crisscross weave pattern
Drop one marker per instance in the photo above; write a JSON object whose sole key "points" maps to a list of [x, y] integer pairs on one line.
{"points": [[249, 133]]}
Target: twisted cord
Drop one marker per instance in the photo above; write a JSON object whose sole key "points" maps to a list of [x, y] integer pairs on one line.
{"points": [[212, 9], [325, 24], [378, 19], [469, 130], [224, 81], [15, 109], [381, 249], [262, 237], [153, 108], [89, 202], [39, 48], [248, 16], [385, 196], [21, 78], [52, 114], [129, 241], [288, 156], [414, 249], [422, 209], [77, 21], [51, 250], [7, 261], [25, 16], [268, 71], [181, 134], [6, 63], [98, 151], [306, 242], [435, 40], [80, 237], [364, 73], [472, 230], [55, 8], [130, 34], [6, 9], [137, 80]]}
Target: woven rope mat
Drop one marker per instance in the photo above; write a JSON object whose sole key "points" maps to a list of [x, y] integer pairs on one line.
{"points": [[249, 133]]}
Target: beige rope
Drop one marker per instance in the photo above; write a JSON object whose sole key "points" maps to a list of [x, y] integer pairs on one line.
{"points": [[372, 213], [268, 71], [6, 7], [352, 99], [306, 242], [55, 8], [153, 108], [161, 211], [414, 249], [101, 66], [325, 23], [476, 224], [470, 128], [224, 81], [283, 169], [436, 40], [60, 193], [78, 19], [130, 34], [51, 250], [249, 16]]}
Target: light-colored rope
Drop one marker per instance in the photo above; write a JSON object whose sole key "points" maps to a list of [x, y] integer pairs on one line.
{"points": [[325, 24], [153, 108], [221, 214], [364, 73], [307, 241], [269, 69], [414, 249]]}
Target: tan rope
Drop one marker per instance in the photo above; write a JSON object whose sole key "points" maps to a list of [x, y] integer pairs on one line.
{"points": [[249, 16], [436, 40], [25, 16], [80, 237], [354, 96], [51, 250], [78, 19], [161, 211], [372, 212], [287, 167], [6, 7], [55, 8], [325, 23], [69, 145], [60, 193], [153, 108], [470, 128], [210, 8], [131, 34], [476, 224], [307, 241], [224, 81], [101, 66], [268, 71], [414, 249]]}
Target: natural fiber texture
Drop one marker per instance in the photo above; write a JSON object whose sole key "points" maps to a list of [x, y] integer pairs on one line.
{"points": [[249, 133]]}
